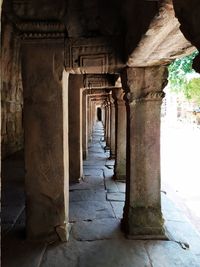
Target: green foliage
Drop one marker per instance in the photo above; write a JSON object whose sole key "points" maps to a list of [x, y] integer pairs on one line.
{"points": [[178, 81], [192, 90], [178, 70]]}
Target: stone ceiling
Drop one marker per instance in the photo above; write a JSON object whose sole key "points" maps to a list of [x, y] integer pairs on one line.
{"points": [[145, 32]]}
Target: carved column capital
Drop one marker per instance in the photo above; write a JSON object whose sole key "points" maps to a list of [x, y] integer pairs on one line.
{"points": [[144, 84], [119, 96], [150, 96]]}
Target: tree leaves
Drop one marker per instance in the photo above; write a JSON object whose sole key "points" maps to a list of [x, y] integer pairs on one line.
{"points": [[178, 81]]}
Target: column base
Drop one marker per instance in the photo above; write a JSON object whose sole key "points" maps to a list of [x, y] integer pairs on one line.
{"points": [[119, 178], [63, 232], [59, 233], [144, 224], [46, 219]]}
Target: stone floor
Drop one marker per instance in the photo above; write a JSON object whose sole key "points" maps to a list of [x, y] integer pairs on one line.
{"points": [[96, 206]]}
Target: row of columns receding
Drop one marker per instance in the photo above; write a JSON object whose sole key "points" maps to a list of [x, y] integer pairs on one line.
{"points": [[59, 115]]}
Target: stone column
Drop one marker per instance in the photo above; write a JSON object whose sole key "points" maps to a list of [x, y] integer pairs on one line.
{"points": [[142, 213], [89, 117], [46, 140], [112, 128], [84, 124], [120, 144], [75, 128], [108, 123], [103, 114], [92, 116]]}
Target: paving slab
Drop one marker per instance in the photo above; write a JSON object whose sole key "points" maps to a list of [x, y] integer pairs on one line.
{"points": [[84, 186], [184, 232], [121, 186], [90, 210], [118, 208], [116, 196], [99, 162], [170, 254], [111, 186], [93, 172], [107, 228], [62, 255], [93, 180], [87, 195], [101, 253]]}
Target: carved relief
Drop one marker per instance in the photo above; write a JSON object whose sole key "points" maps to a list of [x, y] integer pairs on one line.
{"points": [[150, 96], [41, 30], [90, 55], [92, 81]]}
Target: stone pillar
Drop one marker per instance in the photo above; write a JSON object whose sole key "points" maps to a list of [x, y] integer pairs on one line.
{"points": [[112, 128], [89, 117], [46, 140], [120, 144], [142, 213], [103, 114], [84, 124], [108, 123], [75, 128]]}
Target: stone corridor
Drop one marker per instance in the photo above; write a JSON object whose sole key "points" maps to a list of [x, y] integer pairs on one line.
{"points": [[96, 206]]}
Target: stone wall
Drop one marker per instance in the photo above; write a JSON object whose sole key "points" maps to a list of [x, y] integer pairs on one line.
{"points": [[11, 92]]}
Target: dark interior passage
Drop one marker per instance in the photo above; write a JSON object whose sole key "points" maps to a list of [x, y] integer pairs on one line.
{"points": [[99, 114]]}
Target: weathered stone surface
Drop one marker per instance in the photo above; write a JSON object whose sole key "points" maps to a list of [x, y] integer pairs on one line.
{"points": [[84, 124], [115, 197], [113, 251], [97, 253], [75, 128], [163, 41], [121, 127], [184, 233], [142, 213], [159, 254], [118, 208], [97, 230], [46, 144], [111, 186], [11, 91], [90, 210], [121, 186], [87, 195]]}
